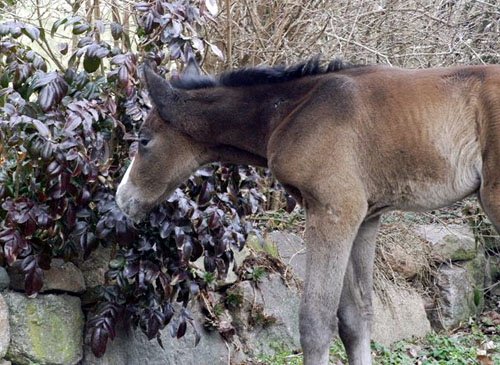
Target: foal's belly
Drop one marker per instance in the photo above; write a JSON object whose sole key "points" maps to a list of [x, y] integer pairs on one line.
{"points": [[462, 180]]}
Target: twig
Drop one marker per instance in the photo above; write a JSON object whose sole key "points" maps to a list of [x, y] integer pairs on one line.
{"points": [[254, 25], [229, 34], [374, 51], [44, 40]]}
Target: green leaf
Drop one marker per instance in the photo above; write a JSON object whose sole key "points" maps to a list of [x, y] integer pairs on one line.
{"points": [[56, 25], [80, 28], [4, 80], [477, 297], [117, 263], [91, 64], [42, 34]]}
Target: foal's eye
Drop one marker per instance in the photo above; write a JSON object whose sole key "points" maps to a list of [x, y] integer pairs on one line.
{"points": [[144, 142]]}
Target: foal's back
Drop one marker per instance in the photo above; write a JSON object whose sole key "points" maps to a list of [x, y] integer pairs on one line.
{"points": [[419, 134]]}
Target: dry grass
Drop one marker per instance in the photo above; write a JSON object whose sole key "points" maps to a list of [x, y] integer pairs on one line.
{"points": [[405, 33]]}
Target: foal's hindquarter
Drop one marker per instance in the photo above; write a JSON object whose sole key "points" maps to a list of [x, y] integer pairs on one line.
{"points": [[369, 142]]}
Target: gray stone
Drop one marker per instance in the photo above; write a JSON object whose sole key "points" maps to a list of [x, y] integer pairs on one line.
{"points": [[449, 242], [95, 267], [4, 279], [268, 318], [47, 329], [4, 327], [291, 250], [131, 347], [398, 314], [5, 362], [460, 292], [63, 276]]}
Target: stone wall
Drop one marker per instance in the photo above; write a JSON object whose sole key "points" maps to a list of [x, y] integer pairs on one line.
{"points": [[463, 273], [262, 316], [46, 329]]}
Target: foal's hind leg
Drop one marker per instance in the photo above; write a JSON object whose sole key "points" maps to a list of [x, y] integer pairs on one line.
{"points": [[355, 308], [331, 229], [489, 194]]}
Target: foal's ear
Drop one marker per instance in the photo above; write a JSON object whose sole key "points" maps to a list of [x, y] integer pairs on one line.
{"points": [[192, 69], [161, 92]]}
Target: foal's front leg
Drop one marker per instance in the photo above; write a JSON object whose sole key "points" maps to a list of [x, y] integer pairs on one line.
{"points": [[330, 231]]}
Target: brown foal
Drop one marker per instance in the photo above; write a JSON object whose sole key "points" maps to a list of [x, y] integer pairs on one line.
{"points": [[349, 143]]}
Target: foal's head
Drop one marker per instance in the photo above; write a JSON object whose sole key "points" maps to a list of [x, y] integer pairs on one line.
{"points": [[166, 156]]}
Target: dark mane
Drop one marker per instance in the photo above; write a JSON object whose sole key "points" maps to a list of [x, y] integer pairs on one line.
{"points": [[261, 75]]}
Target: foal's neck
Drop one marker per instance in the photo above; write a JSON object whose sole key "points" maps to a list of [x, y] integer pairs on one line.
{"points": [[241, 119]]}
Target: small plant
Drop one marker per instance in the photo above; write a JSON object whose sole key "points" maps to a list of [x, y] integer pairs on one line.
{"points": [[256, 274], [208, 278], [233, 299], [217, 310], [257, 317]]}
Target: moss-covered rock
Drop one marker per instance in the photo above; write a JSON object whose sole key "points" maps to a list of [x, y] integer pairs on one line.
{"points": [[4, 279], [45, 330], [450, 242], [460, 292], [4, 327]]}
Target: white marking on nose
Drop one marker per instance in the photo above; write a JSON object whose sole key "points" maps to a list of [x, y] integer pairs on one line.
{"points": [[127, 173]]}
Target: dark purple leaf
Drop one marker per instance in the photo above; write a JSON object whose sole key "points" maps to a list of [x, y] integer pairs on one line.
{"points": [[33, 280], [62, 48], [123, 76], [42, 128], [182, 327], [31, 31], [153, 327], [116, 30], [147, 23], [100, 27], [98, 341], [142, 6]]}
